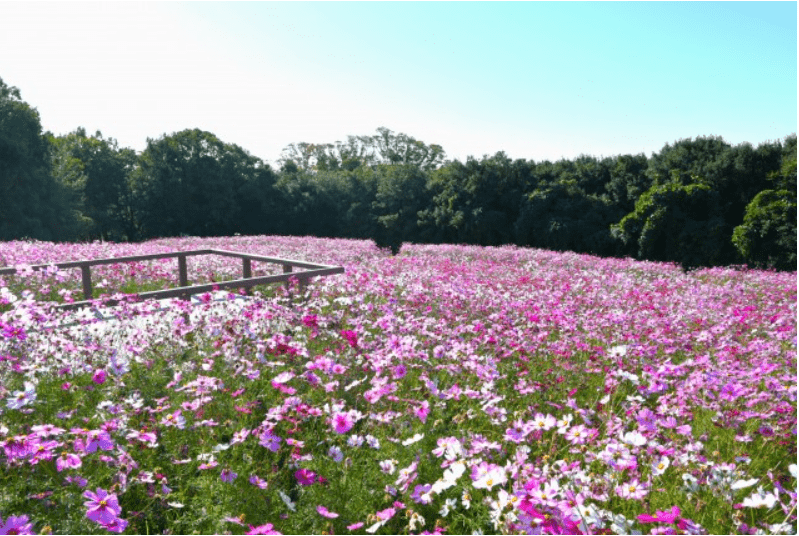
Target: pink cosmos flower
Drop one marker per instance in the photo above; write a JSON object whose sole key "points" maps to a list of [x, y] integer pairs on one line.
{"points": [[305, 477], [661, 516], [257, 481], [355, 526], [351, 336], [117, 525], [102, 507], [227, 475], [423, 411], [98, 439], [175, 419], [633, 489], [263, 529], [99, 376], [342, 423], [270, 441], [43, 451], [577, 435], [325, 512], [16, 525], [385, 515], [67, 460]]}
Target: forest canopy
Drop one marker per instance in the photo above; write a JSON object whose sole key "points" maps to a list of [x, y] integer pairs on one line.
{"points": [[697, 202]]}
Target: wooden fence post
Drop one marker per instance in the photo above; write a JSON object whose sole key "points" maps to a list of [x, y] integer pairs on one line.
{"points": [[287, 269], [246, 270], [183, 274], [86, 275]]}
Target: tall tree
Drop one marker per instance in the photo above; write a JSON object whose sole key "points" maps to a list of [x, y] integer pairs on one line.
{"points": [[385, 147], [767, 235], [677, 223], [401, 193], [95, 170], [32, 203], [187, 183], [628, 180]]}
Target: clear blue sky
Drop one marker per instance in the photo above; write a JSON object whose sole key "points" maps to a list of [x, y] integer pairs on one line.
{"points": [[538, 80]]}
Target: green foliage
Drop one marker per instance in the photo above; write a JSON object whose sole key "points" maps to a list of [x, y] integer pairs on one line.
{"points": [[385, 147], [33, 204], [400, 195], [682, 204], [767, 236], [187, 183], [687, 158], [563, 217], [628, 180], [476, 202], [676, 223], [95, 170]]}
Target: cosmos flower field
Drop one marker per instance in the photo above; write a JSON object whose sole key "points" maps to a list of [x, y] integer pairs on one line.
{"points": [[445, 390]]}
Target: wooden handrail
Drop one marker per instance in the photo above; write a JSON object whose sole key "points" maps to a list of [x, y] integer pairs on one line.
{"points": [[185, 290]]}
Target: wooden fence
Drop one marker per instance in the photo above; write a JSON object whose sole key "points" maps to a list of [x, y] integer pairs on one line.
{"points": [[185, 290]]}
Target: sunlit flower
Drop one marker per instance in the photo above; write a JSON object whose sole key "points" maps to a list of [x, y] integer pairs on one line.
{"points": [[22, 398], [761, 498], [487, 475], [102, 507], [633, 489], [16, 525], [342, 423], [267, 528], [659, 466], [305, 477], [325, 512]]}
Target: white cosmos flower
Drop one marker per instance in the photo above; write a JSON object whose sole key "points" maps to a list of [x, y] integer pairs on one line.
{"points": [[22, 398], [564, 423], [412, 440], [447, 507], [659, 467], [493, 476], [760, 498], [450, 478], [634, 438], [741, 484], [543, 422]]}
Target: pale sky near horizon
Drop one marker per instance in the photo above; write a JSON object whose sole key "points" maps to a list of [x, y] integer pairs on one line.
{"points": [[538, 80]]}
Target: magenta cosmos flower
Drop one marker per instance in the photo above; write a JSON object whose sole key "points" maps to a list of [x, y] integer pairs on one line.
{"points": [[661, 516], [325, 512], [103, 507], [263, 529], [16, 525], [305, 477], [99, 376], [342, 423]]}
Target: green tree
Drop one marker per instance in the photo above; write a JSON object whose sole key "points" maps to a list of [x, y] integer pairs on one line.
{"points": [[476, 202], [188, 183], [385, 147], [563, 217], [628, 180], [677, 223], [95, 170], [686, 159], [32, 203], [767, 236], [400, 196]]}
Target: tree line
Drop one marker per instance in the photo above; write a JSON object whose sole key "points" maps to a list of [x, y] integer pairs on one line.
{"points": [[697, 202]]}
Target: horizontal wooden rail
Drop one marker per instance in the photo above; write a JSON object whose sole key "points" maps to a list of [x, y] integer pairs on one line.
{"points": [[185, 290]]}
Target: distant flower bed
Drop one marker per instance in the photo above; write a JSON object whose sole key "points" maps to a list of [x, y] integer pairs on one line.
{"points": [[446, 390]]}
